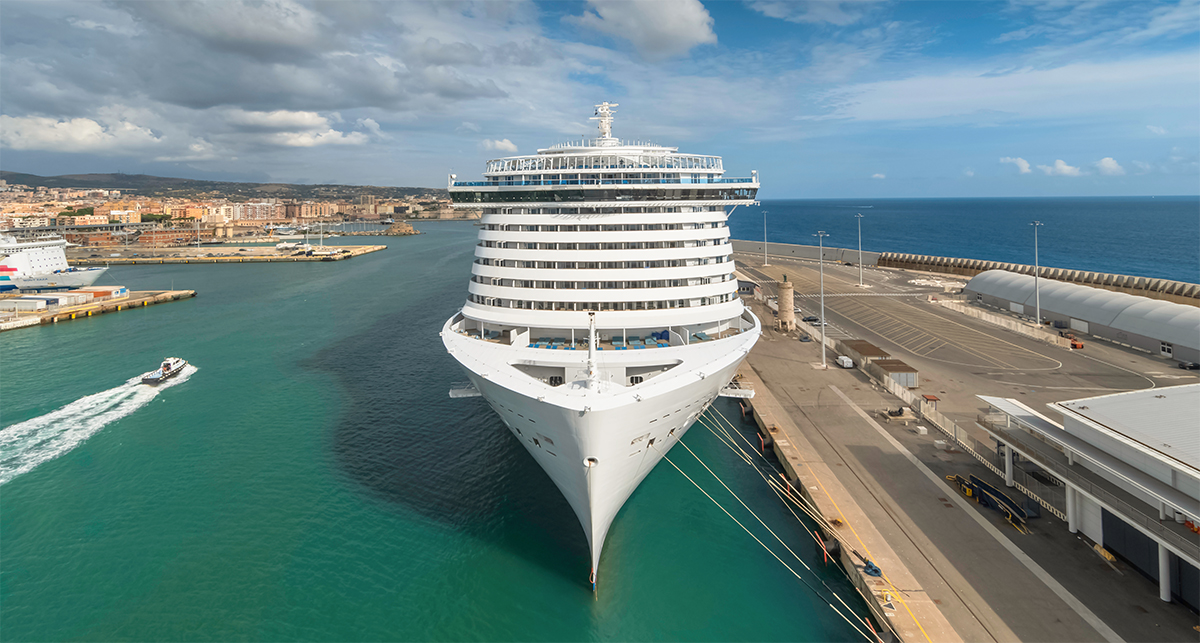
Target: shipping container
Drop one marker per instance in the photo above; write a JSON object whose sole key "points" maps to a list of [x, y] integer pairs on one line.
{"points": [[22, 305]]}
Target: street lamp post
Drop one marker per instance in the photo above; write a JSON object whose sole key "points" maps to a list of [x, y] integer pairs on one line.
{"points": [[1037, 295], [820, 235], [765, 238], [860, 268]]}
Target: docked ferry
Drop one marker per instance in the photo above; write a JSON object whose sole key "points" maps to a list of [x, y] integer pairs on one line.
{"points": [[602, 317], [41, 265]]}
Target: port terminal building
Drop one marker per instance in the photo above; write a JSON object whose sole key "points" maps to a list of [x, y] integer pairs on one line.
{"points": [[1129, 466], [1156, 326]]}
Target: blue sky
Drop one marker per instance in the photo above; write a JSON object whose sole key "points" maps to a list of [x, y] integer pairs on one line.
{"points": [[825, 99]]}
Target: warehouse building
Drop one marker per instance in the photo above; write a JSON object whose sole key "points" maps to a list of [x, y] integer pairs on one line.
{"points": [[1130, 465], [1160, 327]]}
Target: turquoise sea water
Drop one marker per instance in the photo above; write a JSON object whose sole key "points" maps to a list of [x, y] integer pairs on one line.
{"points": [[311, 480]]}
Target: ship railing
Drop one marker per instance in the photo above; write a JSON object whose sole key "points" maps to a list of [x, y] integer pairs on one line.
{"points": [[552, 182]]}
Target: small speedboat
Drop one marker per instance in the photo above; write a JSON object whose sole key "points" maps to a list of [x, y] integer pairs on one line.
{"points": [[170, 368]]}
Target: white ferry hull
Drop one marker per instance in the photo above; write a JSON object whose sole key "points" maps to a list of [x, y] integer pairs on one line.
{"points": [[67, 280]]}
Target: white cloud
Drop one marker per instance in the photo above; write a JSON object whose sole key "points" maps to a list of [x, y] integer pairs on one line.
{"points": [[968, 171], [1143, 167], [1060, 168], [502, 145], [372, 126], [468, 126], [313, 139], [1021, 163], [988, 93], [835, 12], [278, 120], [658, 29], [74, 135], [1156, 129], [879, 176], [1109, 167]]}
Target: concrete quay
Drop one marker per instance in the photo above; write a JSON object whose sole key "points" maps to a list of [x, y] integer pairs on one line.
{"points": [[136, 299], [989, 581], [896, 598], [250, 254]]}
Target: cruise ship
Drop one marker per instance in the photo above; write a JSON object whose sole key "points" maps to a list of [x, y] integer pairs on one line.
{"points": [[602, 317], [40, 265]]}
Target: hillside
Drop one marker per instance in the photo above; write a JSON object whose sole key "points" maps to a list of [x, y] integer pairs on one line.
{"points": [[160, 186]]}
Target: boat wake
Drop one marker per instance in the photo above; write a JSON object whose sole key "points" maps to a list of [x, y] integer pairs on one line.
{"points": [[27, 444]]}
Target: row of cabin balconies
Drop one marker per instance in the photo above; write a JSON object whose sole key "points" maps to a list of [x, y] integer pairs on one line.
{"points": [[615, 245], [606, 196], [599, 294], [601, 285], [602, 265], [618, 227], [665, 304]]}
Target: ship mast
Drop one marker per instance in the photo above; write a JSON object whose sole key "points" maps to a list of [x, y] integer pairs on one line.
{"points": [[604, 114]]}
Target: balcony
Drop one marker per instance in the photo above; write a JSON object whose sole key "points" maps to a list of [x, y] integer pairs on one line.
{"points": [[551, 182]]}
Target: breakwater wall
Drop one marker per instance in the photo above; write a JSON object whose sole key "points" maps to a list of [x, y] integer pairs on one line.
{"points": [[1179, 292]]}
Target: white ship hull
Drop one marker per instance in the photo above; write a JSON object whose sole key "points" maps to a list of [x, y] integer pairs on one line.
{"points": [[66, 280], [624, 432]]}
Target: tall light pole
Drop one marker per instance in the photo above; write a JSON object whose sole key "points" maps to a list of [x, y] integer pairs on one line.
{"points": [[1037, 295], [860, 274], [765, 238], [820, 235]]}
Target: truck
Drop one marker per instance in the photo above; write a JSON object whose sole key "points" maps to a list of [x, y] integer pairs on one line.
{"points": [[845, 362]]}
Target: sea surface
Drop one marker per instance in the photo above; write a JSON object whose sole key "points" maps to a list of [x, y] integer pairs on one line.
{"points": [[310, 479], [1142, 236]]}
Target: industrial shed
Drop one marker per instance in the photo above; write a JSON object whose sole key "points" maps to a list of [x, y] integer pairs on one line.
{"points": [[1161, 327]]}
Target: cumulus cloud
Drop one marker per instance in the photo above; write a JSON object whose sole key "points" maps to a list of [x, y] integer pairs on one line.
{"points": [[74, 135], [1154, 129], [1022, 164], [1060, 168], [502, 145], [968, 172], [879, 176], [277, 120], [313, 139], [1109, 167], [659, 29], [834, 12]]}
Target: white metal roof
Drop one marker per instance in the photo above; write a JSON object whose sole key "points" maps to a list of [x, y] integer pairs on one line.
{"points": [[1154, 318], [1164, 422]]}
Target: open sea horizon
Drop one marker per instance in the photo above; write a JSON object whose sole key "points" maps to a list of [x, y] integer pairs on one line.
{"points": [[1155, 237]]}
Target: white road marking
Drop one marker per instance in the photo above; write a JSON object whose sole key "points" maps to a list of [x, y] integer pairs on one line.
{"points": [[1074, 603]]}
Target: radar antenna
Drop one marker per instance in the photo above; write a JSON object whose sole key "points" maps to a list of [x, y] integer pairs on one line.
{"points": [[604, 114]]}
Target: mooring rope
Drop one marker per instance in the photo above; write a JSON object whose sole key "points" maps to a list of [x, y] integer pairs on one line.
{"points": [[816, 515], [764, 546]]}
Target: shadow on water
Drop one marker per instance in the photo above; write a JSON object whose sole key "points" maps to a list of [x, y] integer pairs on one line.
{"points": [[405, 442]]}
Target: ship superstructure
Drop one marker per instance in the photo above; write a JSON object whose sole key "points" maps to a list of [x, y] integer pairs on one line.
{"points": [[40, 265], [602, 315]]}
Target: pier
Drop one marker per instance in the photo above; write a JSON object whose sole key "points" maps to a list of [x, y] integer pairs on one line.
{"points": [[831, 432], [136, 299], [246, 254]]}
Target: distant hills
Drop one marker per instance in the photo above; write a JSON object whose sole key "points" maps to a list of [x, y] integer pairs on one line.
{"points": [[161, 186]]}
